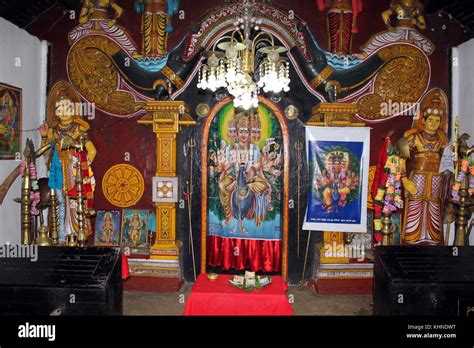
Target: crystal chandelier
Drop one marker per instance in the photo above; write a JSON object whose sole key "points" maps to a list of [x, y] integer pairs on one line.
{"points": [[231, 63]]}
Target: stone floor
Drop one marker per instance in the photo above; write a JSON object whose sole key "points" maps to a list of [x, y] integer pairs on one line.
{"points": [[305, 302]]}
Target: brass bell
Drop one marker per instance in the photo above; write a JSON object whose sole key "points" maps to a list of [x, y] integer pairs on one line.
{"points": [[43, 238]]}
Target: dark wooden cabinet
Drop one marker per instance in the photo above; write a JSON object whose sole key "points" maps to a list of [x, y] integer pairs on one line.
{"points": [[63, 281], [424, 280]]}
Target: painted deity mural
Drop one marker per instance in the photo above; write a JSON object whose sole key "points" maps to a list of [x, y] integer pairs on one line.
{"points": [[245, 175]]}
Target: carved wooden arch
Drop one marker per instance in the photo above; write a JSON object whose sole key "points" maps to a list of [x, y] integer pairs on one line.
{"points": [[221, 20], [204, 185]]}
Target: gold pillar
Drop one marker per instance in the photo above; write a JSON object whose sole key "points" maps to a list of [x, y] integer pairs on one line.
{"points": [[166, 118], [333, 115]]}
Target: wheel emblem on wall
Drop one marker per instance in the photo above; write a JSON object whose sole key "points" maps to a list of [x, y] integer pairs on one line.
{"points": [[123, 185]]}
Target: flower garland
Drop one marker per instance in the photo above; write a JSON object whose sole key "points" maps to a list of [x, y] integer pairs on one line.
{"points": [[390, 195], [34, 194], [467, 168]]}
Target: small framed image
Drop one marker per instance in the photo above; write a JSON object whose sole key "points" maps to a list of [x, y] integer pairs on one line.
{"points": [[10, 121], [107, 228], [165, 189], [134, 229]]}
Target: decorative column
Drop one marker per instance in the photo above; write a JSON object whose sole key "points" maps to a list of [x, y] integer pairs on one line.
{"points": [[166, 118]]}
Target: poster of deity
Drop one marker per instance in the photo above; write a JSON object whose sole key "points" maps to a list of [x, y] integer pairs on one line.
{"points": [[338, 160], [245, 175], [134, 229], [10, 121], [107, 228]]}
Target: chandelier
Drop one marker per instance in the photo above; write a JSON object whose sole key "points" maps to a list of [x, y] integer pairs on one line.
{"points": [[231, 63]]}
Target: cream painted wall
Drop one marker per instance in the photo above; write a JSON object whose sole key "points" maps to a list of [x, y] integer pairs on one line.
{"points": [[23, 60]]}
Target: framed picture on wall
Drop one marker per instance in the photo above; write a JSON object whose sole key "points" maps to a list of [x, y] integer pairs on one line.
{"points": [[107, 228], [338, 163], [10, 121], [134, 230]]}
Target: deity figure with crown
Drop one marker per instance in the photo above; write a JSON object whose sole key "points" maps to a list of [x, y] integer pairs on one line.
{"points": [[423, 210], [66, 124]]}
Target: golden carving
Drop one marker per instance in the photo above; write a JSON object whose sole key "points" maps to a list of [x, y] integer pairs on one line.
{"points": [[166, 118], [123, 185], [323, 75], [92, 71], [395, 82], [171, 75], [370, 200], [335, 115]]}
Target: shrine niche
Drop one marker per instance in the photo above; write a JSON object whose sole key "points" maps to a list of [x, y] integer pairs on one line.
{"points": [[249, 144], [244, 166]]}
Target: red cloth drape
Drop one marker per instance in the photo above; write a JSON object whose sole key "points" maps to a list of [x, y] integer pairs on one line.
{"points": [[221, 298], [244, 254], [125, 268]]}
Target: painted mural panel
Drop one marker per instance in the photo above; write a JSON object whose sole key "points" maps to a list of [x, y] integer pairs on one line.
{"points": [[245, 175]]}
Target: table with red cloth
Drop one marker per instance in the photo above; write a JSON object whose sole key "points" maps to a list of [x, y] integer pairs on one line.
{"points": [[219, 297]]}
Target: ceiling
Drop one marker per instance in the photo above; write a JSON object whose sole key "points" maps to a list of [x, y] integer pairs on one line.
{"points": [[24, 12], [462, 11]]}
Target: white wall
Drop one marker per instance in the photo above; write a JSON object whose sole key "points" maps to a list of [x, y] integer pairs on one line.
{"points": [[463, 95], [29, 73]]}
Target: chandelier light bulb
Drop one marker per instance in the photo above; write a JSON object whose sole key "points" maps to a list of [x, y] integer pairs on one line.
{"points": [[273, 56], [213, 61], [231, 52]]}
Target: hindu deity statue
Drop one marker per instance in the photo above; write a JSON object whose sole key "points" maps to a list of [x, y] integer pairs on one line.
{"points": [[67, 124], [423, 222], [342, 23], [98, 9], [409, 13], [406, 28], [156, 24], [94, 18]]}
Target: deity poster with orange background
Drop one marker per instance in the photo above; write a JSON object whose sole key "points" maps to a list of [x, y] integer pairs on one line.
{"points": [[338, 159]]}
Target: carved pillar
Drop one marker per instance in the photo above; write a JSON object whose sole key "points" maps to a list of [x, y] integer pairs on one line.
{"points": [[333, 115], [166, 118]]}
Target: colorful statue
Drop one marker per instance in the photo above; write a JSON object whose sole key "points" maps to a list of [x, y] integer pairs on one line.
{"points": [[98, 9], [409, 20], [423, 210], [342, 23], [409, 13], [156, 24], [94, 18], [67, 124]]}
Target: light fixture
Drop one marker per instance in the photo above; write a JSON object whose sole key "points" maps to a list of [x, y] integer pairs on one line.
{"points": [[231, 63]]}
